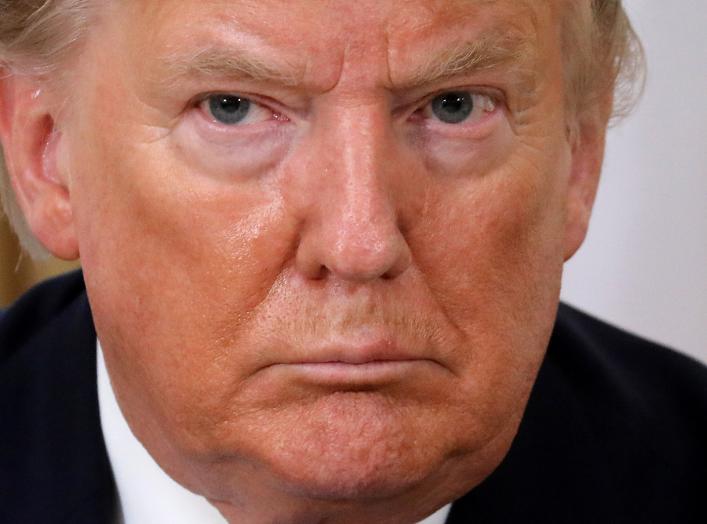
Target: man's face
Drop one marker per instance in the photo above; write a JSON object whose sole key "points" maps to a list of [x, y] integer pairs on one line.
{"points": [[323, 240]]}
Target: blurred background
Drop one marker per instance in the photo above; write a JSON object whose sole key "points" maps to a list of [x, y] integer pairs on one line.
{"points": [[17, 271], [644, 265]]}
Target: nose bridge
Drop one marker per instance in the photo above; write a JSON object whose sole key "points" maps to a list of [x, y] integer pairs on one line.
{"points": [[352, 231], [362, 195]]}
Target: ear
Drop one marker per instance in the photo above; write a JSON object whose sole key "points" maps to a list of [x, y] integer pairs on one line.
{"points": [[587, 158], [33, 154]]}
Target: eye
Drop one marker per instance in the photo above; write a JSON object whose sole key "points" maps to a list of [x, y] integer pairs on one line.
{"points": [[228, 109], [231, 110], [455, 107]]}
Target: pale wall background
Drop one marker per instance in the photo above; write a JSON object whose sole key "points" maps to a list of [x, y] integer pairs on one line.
{"points": [[644, 265]]}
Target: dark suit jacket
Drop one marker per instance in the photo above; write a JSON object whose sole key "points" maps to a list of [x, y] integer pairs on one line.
{"points": [[615, 430]]}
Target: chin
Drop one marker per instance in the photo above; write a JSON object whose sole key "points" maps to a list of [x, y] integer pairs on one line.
{"points": [[346, 453], [352, 446], [353, 485]]}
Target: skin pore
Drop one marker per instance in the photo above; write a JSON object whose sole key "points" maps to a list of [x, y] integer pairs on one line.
{"points": [[334, 309]]}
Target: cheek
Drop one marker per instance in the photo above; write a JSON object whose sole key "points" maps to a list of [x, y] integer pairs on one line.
{"points": [[508, 224], [174, 263], [497, 278]]}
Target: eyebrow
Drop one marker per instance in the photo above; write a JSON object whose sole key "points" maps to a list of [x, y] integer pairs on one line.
{"points": [[464, 59], [475, 56], [227, 62]]}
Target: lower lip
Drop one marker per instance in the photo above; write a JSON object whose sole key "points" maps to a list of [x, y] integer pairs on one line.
{"points": [[341, 373]]}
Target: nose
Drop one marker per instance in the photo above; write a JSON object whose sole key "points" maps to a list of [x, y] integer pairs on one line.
{"points": [[352, 227]]}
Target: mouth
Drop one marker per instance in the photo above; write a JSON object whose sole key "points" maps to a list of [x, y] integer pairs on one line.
{"points": [[346, 365], [344, 373]]}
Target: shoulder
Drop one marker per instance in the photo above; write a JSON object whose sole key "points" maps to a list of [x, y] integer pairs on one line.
{"points": [[52, 456], [629, 414], [45, 342], [619, 367], [39, 311], [614, 431], [636, 397]]}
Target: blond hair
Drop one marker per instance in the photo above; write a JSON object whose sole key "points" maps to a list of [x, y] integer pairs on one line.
{"points": [[35, 38], [603, 57]]}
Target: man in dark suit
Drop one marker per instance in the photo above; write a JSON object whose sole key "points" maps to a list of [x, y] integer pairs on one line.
{"points": [[614, 430], [322, 245]]}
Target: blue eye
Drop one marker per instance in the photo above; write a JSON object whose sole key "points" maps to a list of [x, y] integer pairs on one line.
{"points": [[453, 107], [229, 109]]}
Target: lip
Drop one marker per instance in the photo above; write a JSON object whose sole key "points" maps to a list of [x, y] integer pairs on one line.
{"points": [[371, 352], [342, 373], [366, 362], [367, 348]]}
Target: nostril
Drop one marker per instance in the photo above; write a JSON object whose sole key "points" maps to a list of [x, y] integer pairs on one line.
{"points": [[320, 273]]}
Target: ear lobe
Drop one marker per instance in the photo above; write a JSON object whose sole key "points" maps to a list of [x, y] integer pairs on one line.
{"points": [[587, 158], [32, 147]]}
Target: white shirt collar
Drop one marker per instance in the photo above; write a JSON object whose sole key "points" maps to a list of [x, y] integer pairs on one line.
{"points": [[145, 492]]}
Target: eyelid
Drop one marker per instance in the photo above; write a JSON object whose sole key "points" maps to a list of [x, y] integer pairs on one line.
{"points": [[199, 102], [423, 109], [412, 108], [474, 95]]}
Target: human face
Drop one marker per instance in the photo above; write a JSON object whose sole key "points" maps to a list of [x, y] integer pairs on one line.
{"points": [[330, 298]]}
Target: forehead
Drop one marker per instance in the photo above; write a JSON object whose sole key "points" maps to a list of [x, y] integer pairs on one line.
{"points": [[318, 37], [337, 13]]}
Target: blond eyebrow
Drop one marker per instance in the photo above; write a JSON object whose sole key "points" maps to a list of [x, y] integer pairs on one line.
{"points": [[225, 62], [475, 56], [466, 58]]}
